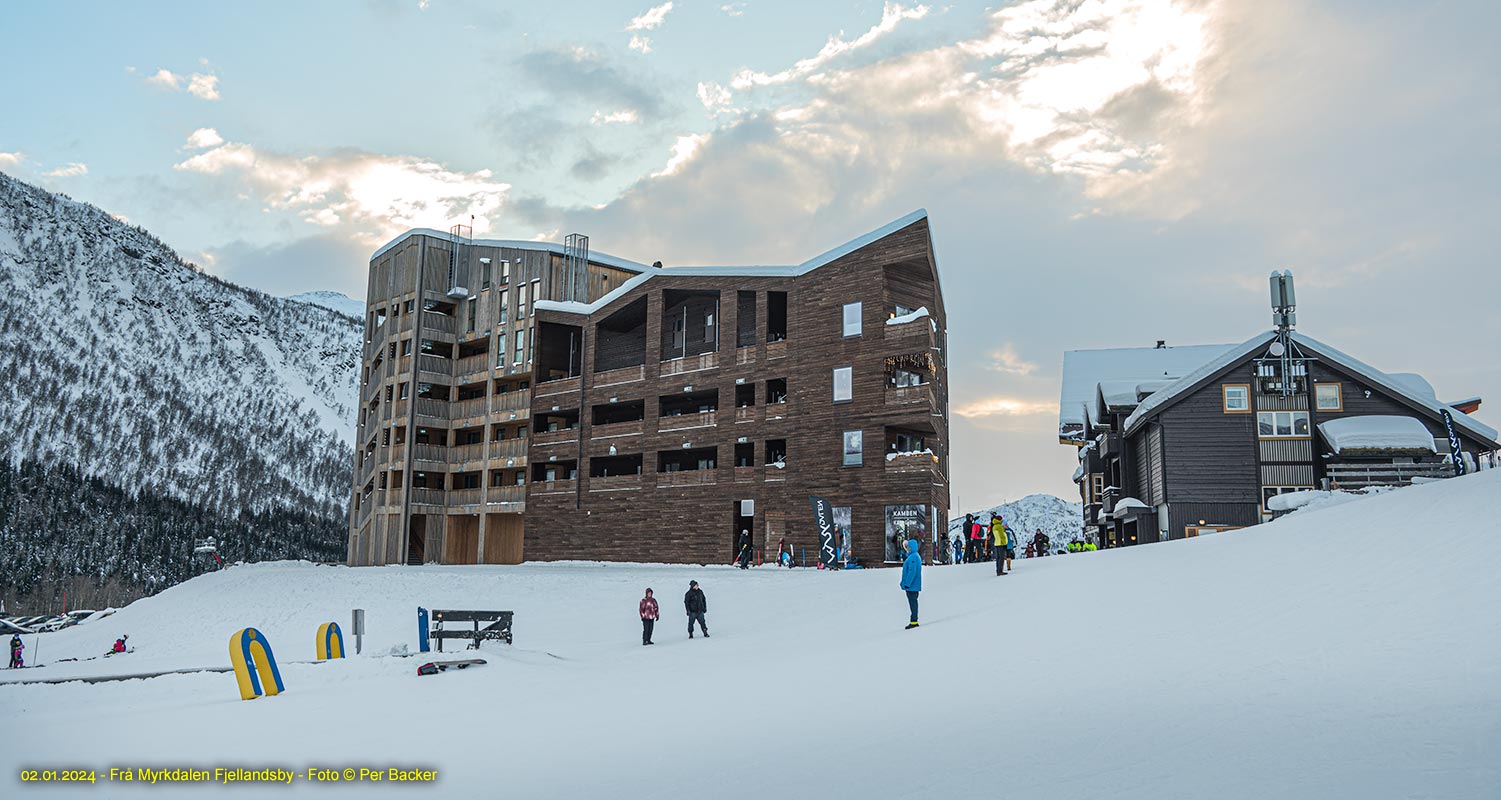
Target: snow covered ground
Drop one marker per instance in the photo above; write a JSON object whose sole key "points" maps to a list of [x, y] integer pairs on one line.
{"points": [[1366, 665]]}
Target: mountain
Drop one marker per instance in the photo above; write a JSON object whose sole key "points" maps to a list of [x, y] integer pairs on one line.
{"points": [[333, 301], [1061, 520], [127, 369]]}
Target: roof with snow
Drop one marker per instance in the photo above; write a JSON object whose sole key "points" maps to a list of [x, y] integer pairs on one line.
{"points": [[1124, 369], [1377, 434]]}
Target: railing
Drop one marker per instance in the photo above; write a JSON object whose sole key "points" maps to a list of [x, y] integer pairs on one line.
{"points": [[903, 395], [745, 355], [1356, 476], [610, 377], [466, 452], [405, 324], [508, 448], [512, 401], [473, 407], [557, 386], [702, 419], [678, 366], [689, 477], [555, 487], [505, 494], [398, 453], [915, 462], [614, 483], [776, 349], [745, 473], [435, 364], [404, 365], [468, 364], [366, 506], [377, 335], [922, 326], [747, 414], [442, 323], [464, 497], [772, 473], [776, 410], [426, 497], [398, 409], [628, 428], [432, 407], [433, 453], [555, 437], [367, 468]]}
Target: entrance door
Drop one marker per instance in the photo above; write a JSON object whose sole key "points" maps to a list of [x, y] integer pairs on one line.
{"points": [[740, 521], [416, 538]]}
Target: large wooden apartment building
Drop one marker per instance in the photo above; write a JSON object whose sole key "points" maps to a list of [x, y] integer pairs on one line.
{"points": [[533, 401]]}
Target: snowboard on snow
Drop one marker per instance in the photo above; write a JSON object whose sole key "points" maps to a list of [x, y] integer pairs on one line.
{"points": [[435, 667]]}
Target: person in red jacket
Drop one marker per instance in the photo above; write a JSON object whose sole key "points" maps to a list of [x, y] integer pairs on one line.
{"points": [[648, 617]]}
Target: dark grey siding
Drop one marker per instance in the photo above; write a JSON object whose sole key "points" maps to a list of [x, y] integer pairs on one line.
{"points": [[1210, 456], [1353, 389], [1182, 515], [1155, 469]]}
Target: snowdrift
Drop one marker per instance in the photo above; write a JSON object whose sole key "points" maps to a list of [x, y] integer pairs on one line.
{"points": [[1350, 652]]}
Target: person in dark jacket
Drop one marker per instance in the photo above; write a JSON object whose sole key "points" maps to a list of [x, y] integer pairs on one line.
{"points": [[968, 530], [912, 579], [743, 550], [16, 648], [649, 617], [697, 606]]}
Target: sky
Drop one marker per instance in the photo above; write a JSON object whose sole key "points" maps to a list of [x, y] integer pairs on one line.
{"points": [[1098, 173]]}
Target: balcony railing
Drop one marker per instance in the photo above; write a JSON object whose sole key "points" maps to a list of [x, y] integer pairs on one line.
{"points": [[399, 409], [1359, 476], [505, 494], [776, 349], [690, 477], [920, 328], [508, 448], [468, 364], [431, 453], [678, 366], [464, 497], [442, 323], [747, 414], [555, 437], [427, 497], [771, 472], [912, 462], [745, 355], [435, 364], [702, 419], [512, 401], [398, 453], [432, 407], [557, 386], [907, 395], [473, 407], [776, 410], [612, 483], [555, 487], [404, 365], [746, 473], [610, 377], [630, 428], [405, 323], [466, 452]]}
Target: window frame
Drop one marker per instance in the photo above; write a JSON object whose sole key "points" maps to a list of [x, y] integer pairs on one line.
{"points": [[1292, 425], [859, 311], [850, 383], [1339, 397], [536, 294], [853, 457], [1225, 397]]}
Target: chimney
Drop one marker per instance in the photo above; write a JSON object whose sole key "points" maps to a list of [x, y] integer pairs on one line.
{"points": [[1161, 344]]}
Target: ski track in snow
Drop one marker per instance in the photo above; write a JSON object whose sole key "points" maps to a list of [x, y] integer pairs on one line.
{"points": [[1324, 655]]}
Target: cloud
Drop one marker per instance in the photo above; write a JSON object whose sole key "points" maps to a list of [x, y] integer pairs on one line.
{"points": [[892, 15], [580, 75], [733, 9], [1006, 360], [683, 151], [204, 137], [651, 20], [11, 160], [1003, 406], [714, 97], [623, 117], [204, 86], [71, 170], [374, 195]]}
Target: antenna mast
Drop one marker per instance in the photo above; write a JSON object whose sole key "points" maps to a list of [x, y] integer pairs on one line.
{"points": [[1284, 368]]}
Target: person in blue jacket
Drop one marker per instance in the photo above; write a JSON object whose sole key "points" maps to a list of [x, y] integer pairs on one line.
{"points": [[912, 579]]}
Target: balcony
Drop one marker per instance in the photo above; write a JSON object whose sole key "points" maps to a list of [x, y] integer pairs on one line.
{"points": [[442, 323], [561, 486], [470, 364], [465, 453], [398, 453], [504, 495], [555, 437], [923, 462], [747, 414], [776, 410], [692, 477], [430, 453], [432, 407], [745, 355], [682, 422], [508, 448], [436, 365], [615, 483], [743, 474], [473, 407], [558, 386], [513, 401], [404, 323], [919, 331], [776, 349], [679, 366], [1355, 475], [404, 365], [772, 473], [612, 377], [909, 395], [464, 497], [426, 497], [399, 409], [616, 429]]}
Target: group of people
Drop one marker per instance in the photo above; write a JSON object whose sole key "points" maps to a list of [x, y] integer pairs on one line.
{"points": [[993, 541], [694, 603]]}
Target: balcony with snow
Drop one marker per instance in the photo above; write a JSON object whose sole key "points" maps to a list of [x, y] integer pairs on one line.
{"points": [[1382, 450]]}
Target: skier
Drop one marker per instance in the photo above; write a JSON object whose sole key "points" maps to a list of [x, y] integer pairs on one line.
{"points": [[744, 550], [119, 645], [697, 606], [16, 647], [1041, 540], [912, 579], [958, 549], [999, 540], [967, 531], [784, 553], [648, 617]]}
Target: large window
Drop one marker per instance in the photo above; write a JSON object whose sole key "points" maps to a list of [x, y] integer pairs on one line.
{"points": [[500, 348], [844, 384], [484, 266], [852, 319], [536, 294], [501, 320], [521, 301], [1282, 424], [1328, 397], [854, 448], [1237, 398], [520, 346]]}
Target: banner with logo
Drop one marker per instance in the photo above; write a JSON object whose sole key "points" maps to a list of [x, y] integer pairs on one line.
{"points": [[1454, 451], [823, 518]]}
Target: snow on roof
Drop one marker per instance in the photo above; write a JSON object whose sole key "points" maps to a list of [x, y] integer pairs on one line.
{"points": [[1085, 370], [1468, 401], [1126, 505], [1377, 432], [1079, 473], [516, 244], [1405, 385], [571, 307]]}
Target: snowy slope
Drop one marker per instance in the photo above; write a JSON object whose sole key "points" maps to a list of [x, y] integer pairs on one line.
{"points": [[333, 301], [1211, 667], [127, 363], [1061, 520]]}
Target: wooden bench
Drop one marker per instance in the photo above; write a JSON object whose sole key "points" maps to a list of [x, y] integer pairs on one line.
{"points": [[498, 629]]}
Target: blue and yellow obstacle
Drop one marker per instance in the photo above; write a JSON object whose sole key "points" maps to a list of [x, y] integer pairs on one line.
{"points": [[330, 641], [255, 666]]}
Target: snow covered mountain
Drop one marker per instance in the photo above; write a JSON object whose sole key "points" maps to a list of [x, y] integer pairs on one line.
{"points": [[333, 301], [128, 365], [1061, 520]]}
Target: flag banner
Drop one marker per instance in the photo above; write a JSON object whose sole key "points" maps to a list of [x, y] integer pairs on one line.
{"points": [[1454, 452], [823, 516]]}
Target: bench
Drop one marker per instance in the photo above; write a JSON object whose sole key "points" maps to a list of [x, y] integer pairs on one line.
{"points": [[498, 629]]}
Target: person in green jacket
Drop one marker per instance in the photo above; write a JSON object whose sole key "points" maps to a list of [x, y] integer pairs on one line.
{"points": [[1000, 537]]}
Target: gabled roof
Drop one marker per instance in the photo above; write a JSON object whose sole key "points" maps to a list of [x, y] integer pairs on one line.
{"points": [[1402, 386], [1125, 369]]}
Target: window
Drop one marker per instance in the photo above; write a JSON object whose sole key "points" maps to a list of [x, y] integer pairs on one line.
{"points": [[902, 311], [404, 391], [908, 443], [473, 307], [521, 301], [1097, 483], [852, 319], [904, 377], [1282, 424], [854, 448], [531, 350], [505, 271], [1328, 397], [1268, 492], [1237, 398], [844, 384], [500, 349], [520, 346], [484, 266], [501, 320], [536, 294], [411, 306]]}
